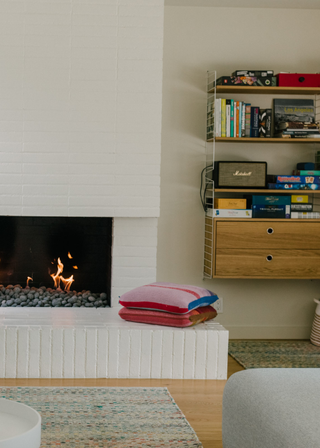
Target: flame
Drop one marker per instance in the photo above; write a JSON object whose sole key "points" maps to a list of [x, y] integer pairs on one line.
{"points": [[75, 267], [67, 282], [28, 280], [70, 256], [56, 277]]}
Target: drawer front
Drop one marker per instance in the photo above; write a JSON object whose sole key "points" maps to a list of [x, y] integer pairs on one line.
{"points": [[268, 234], [248, 263]]}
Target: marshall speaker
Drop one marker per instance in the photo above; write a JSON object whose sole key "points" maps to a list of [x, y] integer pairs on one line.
{"points": [[240, 174]]}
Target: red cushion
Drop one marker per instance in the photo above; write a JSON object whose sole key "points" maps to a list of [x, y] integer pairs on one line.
{"points": [[169, 319]]}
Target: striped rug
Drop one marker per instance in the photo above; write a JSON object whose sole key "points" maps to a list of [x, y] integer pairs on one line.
{"points": [[260, 354], [74, 417]]}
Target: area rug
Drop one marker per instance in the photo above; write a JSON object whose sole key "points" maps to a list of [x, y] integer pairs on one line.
{"points": [[106, 417], [261, 354]]}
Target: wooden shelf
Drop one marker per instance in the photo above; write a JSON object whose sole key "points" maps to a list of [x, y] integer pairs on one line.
{"points": [[261, 190], [268, 90], [264, 140]]}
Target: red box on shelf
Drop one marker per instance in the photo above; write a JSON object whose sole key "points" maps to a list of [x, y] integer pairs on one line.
{"points": [[298, 79]]}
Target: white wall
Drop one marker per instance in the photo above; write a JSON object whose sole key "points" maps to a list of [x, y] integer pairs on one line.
{"points": [[80, 107], [226, 39]]}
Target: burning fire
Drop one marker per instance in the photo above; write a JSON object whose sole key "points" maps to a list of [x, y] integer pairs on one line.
{"points": [[75, 267], [57, 278], [28, 280], [70, 256]]}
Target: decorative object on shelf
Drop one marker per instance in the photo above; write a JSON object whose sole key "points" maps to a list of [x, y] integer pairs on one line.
{"points": [[298, 79], [240, 174], [315, 331]]}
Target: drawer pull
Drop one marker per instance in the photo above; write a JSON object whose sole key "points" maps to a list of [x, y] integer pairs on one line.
{"points": [[269, 258], [270, 230]]}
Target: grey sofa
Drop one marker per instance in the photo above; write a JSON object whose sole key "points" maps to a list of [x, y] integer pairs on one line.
{"points": [[272, 408]]}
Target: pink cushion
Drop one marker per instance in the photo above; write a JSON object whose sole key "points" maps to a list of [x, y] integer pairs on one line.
{"points": [[169, 297], [171, 320]]}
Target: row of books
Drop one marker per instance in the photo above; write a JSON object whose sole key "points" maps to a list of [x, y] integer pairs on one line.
{"points": [[231, 118], [293, 118], [264, 206]]}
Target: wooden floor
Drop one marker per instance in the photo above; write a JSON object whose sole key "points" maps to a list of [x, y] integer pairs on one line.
{"points": [[199, 400]]}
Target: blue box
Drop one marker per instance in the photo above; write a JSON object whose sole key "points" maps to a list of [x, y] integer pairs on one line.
{"points": [[271, 200], [270, 211], [294, 187]]}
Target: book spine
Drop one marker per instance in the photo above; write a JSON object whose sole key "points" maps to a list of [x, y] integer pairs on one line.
{"points": [[268, 123], [248, 119], [298, 133], [240, 117], [254, 126], [218, 117], [228, 105], [305, 215], [223, 117], [243, 120], [301, 207], [235, 119], [231, 117]]}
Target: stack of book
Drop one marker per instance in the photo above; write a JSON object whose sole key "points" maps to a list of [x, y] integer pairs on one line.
{"points": [[239, 119], [295, 118], [301, 208]]}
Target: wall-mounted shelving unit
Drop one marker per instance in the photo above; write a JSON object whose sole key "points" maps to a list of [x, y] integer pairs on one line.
{"points": [[295, 248]]}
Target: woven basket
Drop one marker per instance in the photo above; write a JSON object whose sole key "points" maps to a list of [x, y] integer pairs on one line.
{"points": [[315, 332]]}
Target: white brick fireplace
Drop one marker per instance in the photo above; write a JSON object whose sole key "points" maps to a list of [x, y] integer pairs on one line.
{"points": [[80, 136], [80, 119]]}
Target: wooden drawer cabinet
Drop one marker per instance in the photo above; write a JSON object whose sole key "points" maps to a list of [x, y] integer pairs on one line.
{"points": [[263, 248]]}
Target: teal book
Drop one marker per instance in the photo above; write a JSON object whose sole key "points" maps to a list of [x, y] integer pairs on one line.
{"points": [[240, 118], [231, 118]]}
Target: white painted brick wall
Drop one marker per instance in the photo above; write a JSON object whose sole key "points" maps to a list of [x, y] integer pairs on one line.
{"points": [[134, 254], [80, 107]]}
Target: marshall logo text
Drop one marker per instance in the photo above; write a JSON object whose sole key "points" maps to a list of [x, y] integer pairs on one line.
{"points": [[240, 173]]}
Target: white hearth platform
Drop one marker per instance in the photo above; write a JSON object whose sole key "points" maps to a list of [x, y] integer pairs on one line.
{"points": [[97, 343]]}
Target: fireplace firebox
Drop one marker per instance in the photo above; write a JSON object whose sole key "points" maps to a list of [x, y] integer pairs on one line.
{"points": [[55, 261]]}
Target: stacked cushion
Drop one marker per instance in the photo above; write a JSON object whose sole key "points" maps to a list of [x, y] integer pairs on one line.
{"points": [[194, 317], [168, 304]]}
